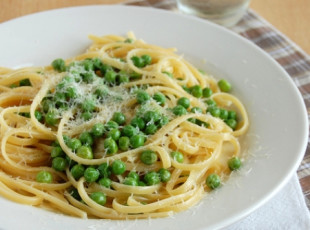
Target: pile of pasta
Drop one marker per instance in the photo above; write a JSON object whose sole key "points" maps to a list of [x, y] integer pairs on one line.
{"points": [[181, 143]]}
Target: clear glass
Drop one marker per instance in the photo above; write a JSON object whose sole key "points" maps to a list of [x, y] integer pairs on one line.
{"points": [[223, 12]]}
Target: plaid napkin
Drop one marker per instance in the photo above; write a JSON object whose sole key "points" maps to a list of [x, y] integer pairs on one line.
{"points": [[291, 57]]}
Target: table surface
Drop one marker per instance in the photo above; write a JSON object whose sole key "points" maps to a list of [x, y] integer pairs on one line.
{"points": [[290, 17]]}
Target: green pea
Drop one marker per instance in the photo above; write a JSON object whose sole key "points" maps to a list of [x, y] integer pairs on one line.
{"points": [[88, 77], [134, 76], [57, 152], [163, 121], [150, 129], [86, 115], [137, 61], [99, 198], [179, 110], [12, 86], [91, 174], [111, 125], [185, 102], [211, 103], [38, 115], [231, 123], [148, 157], [192, 120], [88, 64], [97, 63], [196, 110], [224, 85], [66, 139], [47, 105], [77, 171], [71, 92], [102, 91], [105, 182], [44, 177], [138, 122], [74, 144], [110, 76], [151, 116], [59, 65], [134, 175], [128, 40], [214, 111], [122, 78], [71, 162], [232, 115], [69, 79], [213, 181], [25, 114], [207, 92], [59, 99], [61, 85], [51, 118], [147, 59], [164, 174], [142, 97], [88, 105], [169, 74], [141, 183], [97, 130], [25, 82], [186, 89], [77, 77], [223, 114], [104, 170], [129, 131], [234, 163], [119, 118], [104, 68], [177, 156], [159, 98], [152, 178], [74, 193], [63, 105], [130, 181], [64, 82], [85, 152], [123, 143], [137, 141], [86, 139], [118, 167], [196, 91], [55, 143], [114, 134], [202, 123], [59, 163], [110, 146]]}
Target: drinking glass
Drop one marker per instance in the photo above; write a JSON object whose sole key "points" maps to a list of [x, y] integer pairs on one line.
{"points": [[222, 12]]}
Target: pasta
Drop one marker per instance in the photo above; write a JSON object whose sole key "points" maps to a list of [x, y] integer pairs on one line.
{"points": [[125, 130]]}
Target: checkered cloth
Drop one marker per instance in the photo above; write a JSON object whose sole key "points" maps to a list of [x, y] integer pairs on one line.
{"points": [[294, 60]]}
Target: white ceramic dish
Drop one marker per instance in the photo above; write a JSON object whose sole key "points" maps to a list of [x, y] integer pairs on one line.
{"points": [[278, 133]]}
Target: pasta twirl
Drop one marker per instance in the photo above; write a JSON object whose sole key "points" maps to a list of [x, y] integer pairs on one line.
{"points": [[125, 130]]}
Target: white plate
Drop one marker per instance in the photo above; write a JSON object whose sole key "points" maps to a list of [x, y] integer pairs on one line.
{"points": [[279, 128]]}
